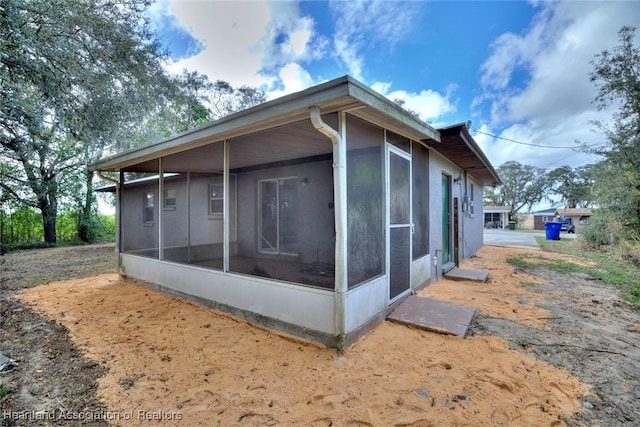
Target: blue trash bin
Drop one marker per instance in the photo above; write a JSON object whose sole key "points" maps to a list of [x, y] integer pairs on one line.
{"points": [[552, 230]]}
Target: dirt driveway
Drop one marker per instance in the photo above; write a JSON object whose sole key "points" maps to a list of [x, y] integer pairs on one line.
{"points": [[546, 348]]}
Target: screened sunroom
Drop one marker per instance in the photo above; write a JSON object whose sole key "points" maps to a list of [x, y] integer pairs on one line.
{"points": [[309, 213]]}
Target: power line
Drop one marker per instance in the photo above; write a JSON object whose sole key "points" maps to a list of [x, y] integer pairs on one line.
{"points": [[528, 143]]}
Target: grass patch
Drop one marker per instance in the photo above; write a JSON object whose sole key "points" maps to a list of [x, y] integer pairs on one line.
{"points": [[4, 390], [520, 262], [26, 268], [527, 284], [607, 265]]}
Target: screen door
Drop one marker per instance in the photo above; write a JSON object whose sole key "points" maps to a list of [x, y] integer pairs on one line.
{"points": [[400, 226]]}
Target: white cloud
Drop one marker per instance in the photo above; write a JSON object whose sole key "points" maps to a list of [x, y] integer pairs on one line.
{"points": [[552, 103], [233, 35], [430, 105], [361, 25], [294, 79], [535, 137], [247, 43], [290, 37]]}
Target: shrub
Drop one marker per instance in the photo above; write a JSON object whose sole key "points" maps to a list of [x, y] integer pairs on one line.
{"points": [[596, 233]]}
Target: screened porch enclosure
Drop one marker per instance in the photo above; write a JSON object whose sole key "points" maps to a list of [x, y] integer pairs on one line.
{"points": [[314, 213], [279, 194]]}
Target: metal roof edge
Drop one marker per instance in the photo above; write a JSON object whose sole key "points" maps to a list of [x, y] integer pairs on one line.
{"points": [[463, 130], [271, 113], [261, 113], [378, 101]]}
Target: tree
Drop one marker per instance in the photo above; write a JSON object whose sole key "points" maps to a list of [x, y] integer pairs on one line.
{"points": [[79, 78], [616, 74], [522, 187], [573, 185], [69, 71], [225, 99]]}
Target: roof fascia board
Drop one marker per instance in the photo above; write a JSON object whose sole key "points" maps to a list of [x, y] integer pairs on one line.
{"points": [[341, 93], [476, 151], [380, 103], [288, 109]]}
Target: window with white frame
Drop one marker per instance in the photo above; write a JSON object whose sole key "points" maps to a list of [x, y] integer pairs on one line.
{"points": [[170, 198], [216, 199], [471, 191], [149, 203]]}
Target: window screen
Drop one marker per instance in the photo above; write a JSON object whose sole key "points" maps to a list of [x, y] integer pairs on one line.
{"points": [[420, 172]]}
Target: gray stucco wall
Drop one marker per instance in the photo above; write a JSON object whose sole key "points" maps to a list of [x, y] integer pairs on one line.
{"points": [[181, 226], [470, 226], [316, 223], [472, 222]]}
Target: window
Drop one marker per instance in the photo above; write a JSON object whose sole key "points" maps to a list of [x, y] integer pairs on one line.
{"points": [[420, 171], [492, 220], [471, 191], [148, 208], [216, 199], [170, 198], [278, 216]]}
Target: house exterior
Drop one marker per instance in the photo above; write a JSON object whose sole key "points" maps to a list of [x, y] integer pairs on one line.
{"points": [[579, 216], [496, 216], [543, 216], [312, 214]]}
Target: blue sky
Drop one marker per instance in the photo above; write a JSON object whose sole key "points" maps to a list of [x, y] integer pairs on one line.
{"points": [[517, 70]]}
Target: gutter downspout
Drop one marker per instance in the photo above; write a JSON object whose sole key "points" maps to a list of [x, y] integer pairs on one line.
{"points": [[340, 212], [117, 184]]}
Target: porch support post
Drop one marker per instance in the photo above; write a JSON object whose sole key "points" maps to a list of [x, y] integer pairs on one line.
{"points": [[340, 212], [117, 184], [189, 217], [158, 203], [226, 200]]}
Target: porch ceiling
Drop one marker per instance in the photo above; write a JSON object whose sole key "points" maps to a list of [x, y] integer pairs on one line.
{"points": [[283, 142]]}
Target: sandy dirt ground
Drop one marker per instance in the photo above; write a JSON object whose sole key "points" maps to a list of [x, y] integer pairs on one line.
{"points": [[172, 361]]}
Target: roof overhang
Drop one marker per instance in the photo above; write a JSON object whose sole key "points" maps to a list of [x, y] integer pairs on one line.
{"points": [[341, 94], [457, 145]]}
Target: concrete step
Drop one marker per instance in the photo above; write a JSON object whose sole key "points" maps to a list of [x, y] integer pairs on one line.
{"points": [[462, 274], [432, 315]]}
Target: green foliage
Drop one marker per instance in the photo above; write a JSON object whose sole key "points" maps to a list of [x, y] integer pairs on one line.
{"points": [[617, 185], [573, 185], [596, 233], [81, 78], [22, 229], [522, 187], [23, 224], [67, 71]]}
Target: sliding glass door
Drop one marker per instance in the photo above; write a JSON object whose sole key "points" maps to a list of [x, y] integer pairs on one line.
{"points": [[278, 228]]}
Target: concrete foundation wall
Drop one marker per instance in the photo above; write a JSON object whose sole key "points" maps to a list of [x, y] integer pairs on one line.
{"points": [[286, 303]]}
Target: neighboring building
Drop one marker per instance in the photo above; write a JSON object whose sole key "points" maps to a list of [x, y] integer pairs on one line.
{"points": [[525, 221], [579, 216], [543, 216], [313, 213], [496, 216]]}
